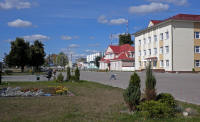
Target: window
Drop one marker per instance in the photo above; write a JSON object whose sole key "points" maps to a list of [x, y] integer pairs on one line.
{"points": [[161, 63], [167, 35], [139, 63], [197, 35], [145, 63], [154, 63], [166, 49], [167, 63], [161, 50], [149, 51], [149, 39], [144, 52], [161, 36], [197, 49], [197, 63], [139, 53], [155, 51], [155, 38], [144, 41], [139, 42]]}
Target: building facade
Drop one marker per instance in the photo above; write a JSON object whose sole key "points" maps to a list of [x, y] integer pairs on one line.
{"points": [[118, 58], [170, 45], [91, 60]]}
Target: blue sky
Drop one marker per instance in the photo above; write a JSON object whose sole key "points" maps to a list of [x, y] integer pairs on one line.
{"points": [[81, 27]]}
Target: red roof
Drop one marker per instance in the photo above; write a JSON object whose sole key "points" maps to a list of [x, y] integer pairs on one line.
{"points": [[122, 48], [179, 17], [156, 21]]}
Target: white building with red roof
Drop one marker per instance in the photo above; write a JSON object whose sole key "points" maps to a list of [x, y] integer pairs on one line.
{"points": [[118, 58], [171, 45]]}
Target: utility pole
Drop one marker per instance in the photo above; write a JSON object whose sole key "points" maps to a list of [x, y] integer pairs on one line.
{"points": [[127, 27], [111, 39]]}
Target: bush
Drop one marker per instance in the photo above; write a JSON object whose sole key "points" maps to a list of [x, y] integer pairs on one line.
{"points": [[168, 99], [132, 93], [155, 109], [60, 77], [77, 74], [150, 83], [68, 74], [8, 72], [72, 78]]}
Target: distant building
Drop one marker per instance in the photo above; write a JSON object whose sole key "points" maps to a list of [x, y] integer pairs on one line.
{"points": [[91, 60], [118, 58], [170, 45]]}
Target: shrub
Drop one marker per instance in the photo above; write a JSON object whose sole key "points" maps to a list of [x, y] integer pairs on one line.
{"points": [[72, 78], [68, 74], [8, 72], [132, 93], [77, 74], [155, 109], [60, 77], [150, 83], [168, 99]]}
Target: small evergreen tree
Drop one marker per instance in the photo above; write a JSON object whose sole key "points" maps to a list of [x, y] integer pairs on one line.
{"points": [[68, 74], [132, 93], [150, 83], [77, 74]]}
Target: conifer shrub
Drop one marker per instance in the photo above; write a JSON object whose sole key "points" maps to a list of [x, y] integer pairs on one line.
{"points": [[77, 74], [167, 99], [68, 74], [132, 93], [155, 109], [60, 78], [150, 82]]}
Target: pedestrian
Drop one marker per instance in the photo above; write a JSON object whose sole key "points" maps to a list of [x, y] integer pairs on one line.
{"points": [[49, 74], [113, 76]]}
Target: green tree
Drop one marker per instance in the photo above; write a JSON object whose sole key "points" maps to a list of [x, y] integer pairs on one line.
{"points": [[97, 59], [19, 54], [132, 93], [62, 59], [125, 39], [68, 74], [77, 74], [150, 83], [37, 54]]}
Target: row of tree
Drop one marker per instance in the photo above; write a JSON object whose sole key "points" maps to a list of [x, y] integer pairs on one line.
{"points": [[60, 59], [23, 54]]}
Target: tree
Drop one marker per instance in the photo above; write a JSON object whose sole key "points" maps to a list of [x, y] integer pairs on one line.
{"points": [[125, 39], [77, 74], [19, 54], [97, 59], [62, 59], [150, 83], [132, 93], [37, 54], [68, 74]]}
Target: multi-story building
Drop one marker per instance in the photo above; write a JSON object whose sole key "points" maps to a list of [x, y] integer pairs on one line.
{"points": [[118, 58], [91, 60], [171, 45]]}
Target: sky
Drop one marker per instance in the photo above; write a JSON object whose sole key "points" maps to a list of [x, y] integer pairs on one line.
{"points": [[81, 27]]}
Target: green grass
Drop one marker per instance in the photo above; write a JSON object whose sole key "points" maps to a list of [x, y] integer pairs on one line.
{"points": [[23, 73], [92, 102]]}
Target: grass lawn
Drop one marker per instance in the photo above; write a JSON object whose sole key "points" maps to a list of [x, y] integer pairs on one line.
{"points": [[92, 102]]}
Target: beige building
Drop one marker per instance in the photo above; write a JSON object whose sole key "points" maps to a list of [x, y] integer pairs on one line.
{"points": [[170, 45]]}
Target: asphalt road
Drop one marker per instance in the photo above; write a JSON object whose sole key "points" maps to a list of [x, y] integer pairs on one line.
{"points": [[184, 87]]}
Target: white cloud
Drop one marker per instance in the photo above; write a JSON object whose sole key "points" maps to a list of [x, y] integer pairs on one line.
{"points": [[73, 46], [17, 4], [118, 21], [102, 19], [150, 8], [176, 2], [91, 51], [65, 37], [19, 23], [36, 37], [92, 37]]}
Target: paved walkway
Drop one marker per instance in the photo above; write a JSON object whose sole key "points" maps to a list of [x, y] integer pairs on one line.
{"points": [[184, 87]]}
